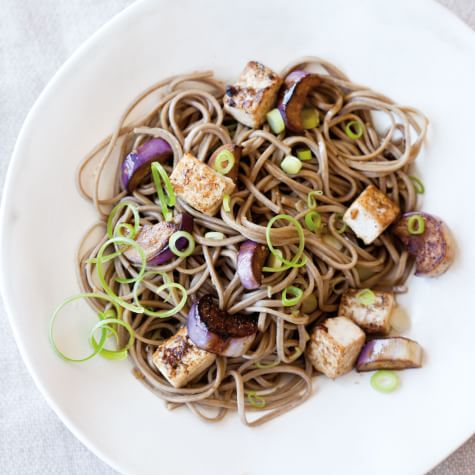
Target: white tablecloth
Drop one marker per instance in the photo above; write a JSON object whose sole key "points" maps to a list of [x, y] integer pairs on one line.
{"points": [[36, 37]]}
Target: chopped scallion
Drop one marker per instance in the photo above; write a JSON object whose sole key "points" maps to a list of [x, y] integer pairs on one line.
{"points": [[366, 297], [256, 401], [313, 220], [354, 129], [275, 121], [215, 235], [224, 162], [181, 235], [304, 154], [385, 381], [416, 224], [291, 165], [227, 203], [418, 185], [291, 301], [311, 200]]}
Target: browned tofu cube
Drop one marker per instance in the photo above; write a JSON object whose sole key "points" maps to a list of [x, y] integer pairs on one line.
{"points": [[199, 185], [372, 318], [180, 360], [370, 214], [253, 95], [334, 346]]}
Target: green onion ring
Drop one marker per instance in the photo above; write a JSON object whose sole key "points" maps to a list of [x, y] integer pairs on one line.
{"points": [[256, 401], [354, 129], [124, 204], [366, 297], [227, 203], [158, 174], [296, 292], [100, 345], [341, 229], [168, 285], [419, 187], [112, 354], [416, 224], [311, 201], [273, 364], [100, 272], [385, 381], [294, 262], [174, 238], [313, 220], [224, 156]]}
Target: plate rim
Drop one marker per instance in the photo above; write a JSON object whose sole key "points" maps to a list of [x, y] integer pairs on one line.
{"points": [[22, 137]]}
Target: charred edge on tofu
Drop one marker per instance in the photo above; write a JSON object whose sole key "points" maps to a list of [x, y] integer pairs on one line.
{"points": [[172, 356]]}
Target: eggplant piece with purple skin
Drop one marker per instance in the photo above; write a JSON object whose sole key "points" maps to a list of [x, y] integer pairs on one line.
{"points": [[250, 260], [390, 353], [154, 241], [434, 248], [236, 150], [297, 86], [216, 331], [136, 166]]}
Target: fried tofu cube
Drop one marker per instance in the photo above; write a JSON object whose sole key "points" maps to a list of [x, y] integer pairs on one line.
{"points": [[334, 346], [253, 95], [370, 214], [373, 318], [199, 185], [180, 360]]}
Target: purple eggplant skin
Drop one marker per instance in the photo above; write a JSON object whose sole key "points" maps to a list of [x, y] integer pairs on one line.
{"points": [[156, 248], [434, 249], [218, 332], [250, 260], [297, 86], [136, 166], [390, 353]]}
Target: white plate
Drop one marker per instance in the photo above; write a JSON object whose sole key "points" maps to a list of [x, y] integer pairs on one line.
{"points": [[417, 53]]}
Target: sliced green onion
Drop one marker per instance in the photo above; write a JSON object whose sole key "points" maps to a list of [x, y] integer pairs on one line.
{"points": [[311, 201], [111, 232], [309, 117], [120, 354], [215, 235], [178, 235], [418, 185], [275, 259], [366, 297], [224, 162], [310, 304], [313, 220], [227, 203], [342, 228], [273, 364], [275, 121], [294, 262], [332, 241], [291, 165], [416, 224], [385, 381], [297, 353], [354, 129], [256, 401], [297, 296], [100, 345], [100, 272], [158, 174], [304, 154], [168, 285]]}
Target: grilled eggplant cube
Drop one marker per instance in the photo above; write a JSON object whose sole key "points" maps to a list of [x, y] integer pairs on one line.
{"points": [[370, 214], [253, 95], [199, 185], [334, 346], [180, 360], [372, 318]]}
